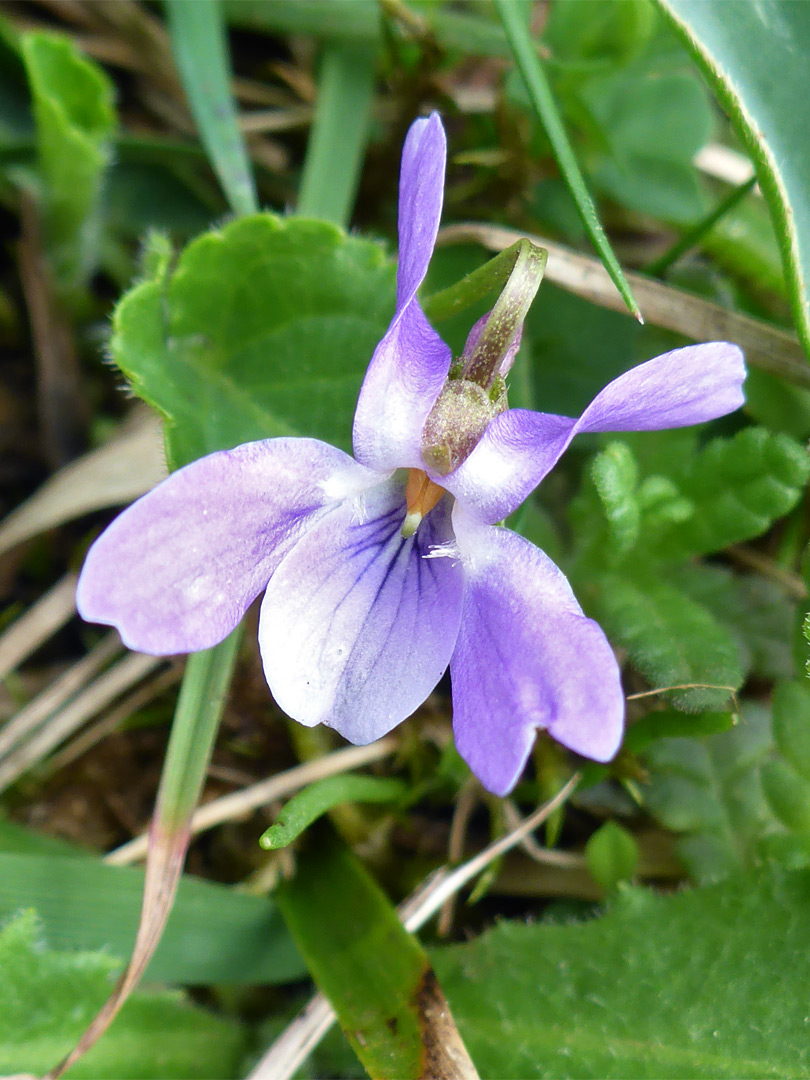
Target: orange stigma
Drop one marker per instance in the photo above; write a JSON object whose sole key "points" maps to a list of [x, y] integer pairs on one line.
{"points": [[421, 495]]}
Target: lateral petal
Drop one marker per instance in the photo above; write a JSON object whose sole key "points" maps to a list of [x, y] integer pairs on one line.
{"points": [[519, 447], [357, 625], [411, 362], [178, 569], [527, 659]]}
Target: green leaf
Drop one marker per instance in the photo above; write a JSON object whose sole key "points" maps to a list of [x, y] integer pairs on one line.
{"points": [[711, 792], [314, 801], [75, 121], [737, 487], [199, 42], [761, 84], [612, 855], [654, 122], [754, 610], [788, 795], [791, 724], [373, 971], [707, 983], [670, 639], [263, 329], [590, 30], [358, 21], [47, 997], [671, 724], [85, 905], [615, 475]]}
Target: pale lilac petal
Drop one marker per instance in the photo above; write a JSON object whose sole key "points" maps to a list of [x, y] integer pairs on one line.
{"points": [[411, 362], [357, 625], [686, 386], [404, 378], [682, 387], [178, 569], [527, 658]]}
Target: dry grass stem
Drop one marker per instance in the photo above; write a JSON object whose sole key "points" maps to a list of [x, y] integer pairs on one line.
{"points": [[241, 803], [115, 718], [767, 347], [298, 1040], [726, 164], [465, 805], [35, 626], [125, 674], [121, 470], [53, 697], [62, 404]]}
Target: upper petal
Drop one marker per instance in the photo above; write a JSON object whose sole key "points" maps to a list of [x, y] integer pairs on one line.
{"points": [[518, 448], [178, 569], [421, 194], [411, 362], [527, 658], [358, 624]]}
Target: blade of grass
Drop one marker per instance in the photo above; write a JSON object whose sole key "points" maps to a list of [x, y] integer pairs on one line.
{"points": [[695, 235], [199, 41], [85, 905], [337, 139], [542, 99], [196, 720]]}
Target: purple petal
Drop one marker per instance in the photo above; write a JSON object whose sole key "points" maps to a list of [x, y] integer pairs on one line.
{"points": [[527, 658], [404, 378], [358, 625], [682, 387], [411, 362], [516, 451], [178, 569], [421, 193]]}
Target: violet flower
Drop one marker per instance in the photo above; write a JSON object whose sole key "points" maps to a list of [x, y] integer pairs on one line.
{"points": [[382, 570]]}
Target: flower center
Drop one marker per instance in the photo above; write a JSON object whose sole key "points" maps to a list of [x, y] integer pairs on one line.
{"points": [[421, 495]]}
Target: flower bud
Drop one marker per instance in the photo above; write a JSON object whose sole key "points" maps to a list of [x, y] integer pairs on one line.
{"points": [[457, 421], [475, 391]]}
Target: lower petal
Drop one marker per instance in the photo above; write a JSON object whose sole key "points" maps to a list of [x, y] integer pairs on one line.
{"points": [[527, 658], [358, 624], [178, 569]]}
